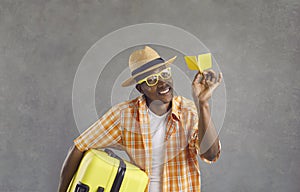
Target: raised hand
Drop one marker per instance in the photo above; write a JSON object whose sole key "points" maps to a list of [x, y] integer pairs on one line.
{"points": [[204, 84]]}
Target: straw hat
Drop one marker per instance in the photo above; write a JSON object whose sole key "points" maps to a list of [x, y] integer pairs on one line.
{"points": [[142, 61]]}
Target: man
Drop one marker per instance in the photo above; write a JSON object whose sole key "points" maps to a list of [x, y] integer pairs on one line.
{"points": [[160, 132]]}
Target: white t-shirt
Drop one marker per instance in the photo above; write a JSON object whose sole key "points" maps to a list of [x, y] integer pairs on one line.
{"points": [[158, 126]]}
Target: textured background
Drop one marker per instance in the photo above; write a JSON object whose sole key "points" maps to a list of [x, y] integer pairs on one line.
{"points": [[255, 42]]}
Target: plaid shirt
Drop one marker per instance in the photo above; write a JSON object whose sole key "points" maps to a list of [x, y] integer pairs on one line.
{"points": [[127, 125]]}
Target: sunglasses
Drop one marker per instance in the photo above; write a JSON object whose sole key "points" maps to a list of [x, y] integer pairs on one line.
{"points": [[152, 80]]}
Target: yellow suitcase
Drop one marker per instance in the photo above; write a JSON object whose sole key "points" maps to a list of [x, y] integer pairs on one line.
{"points": [[103, 171]]}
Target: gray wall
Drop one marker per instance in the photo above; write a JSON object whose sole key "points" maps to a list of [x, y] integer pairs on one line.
{"points": [[255, 42]]}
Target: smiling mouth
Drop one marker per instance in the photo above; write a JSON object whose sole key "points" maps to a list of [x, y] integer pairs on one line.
{"points": [[164, 91]]}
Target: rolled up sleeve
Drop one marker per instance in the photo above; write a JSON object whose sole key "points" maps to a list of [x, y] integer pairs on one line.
{"points": [[194, 146], [103, 133]]}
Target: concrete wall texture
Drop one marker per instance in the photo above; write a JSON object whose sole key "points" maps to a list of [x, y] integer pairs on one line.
{"points": [[256, 44]]}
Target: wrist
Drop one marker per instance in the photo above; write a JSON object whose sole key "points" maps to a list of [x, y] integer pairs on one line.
{"points": [[203, 103]]}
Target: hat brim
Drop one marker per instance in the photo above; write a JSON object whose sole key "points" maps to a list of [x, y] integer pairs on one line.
{"points": [[132, 81]]}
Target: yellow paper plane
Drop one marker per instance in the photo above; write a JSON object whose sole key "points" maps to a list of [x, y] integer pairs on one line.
{"points": [[201, 63]]}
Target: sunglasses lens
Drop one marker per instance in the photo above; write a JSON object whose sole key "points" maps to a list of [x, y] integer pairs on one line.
{"points": [[166, 74], [152, 80]]}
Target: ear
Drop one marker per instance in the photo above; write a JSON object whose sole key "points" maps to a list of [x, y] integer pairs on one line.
{"points": [[139, 88]]}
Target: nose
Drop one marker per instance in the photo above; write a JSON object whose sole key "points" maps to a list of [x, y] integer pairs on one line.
{"points": [[163, 82]]}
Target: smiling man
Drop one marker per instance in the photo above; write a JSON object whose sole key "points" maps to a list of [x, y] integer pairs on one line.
{"points": [[160, 132]]}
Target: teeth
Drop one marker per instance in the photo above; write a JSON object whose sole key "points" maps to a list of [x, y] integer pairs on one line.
{"points": [[165, 91]]}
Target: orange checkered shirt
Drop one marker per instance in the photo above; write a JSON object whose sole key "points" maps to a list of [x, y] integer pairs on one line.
{"points": [[127, 125]]}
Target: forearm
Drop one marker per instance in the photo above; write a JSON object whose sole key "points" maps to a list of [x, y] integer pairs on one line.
{"points": [[210, 142], [69, 167]]}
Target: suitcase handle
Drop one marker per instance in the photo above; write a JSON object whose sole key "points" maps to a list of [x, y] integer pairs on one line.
{"points": [[120, 173], [80, 187], [112, 154]]}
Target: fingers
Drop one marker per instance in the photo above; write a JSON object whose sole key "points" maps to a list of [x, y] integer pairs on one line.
{"points": [[203, 80], [208, 78], [211, 75], [197, 78], [220, 77], [208, 84], [211, 80], [218, 81]]}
